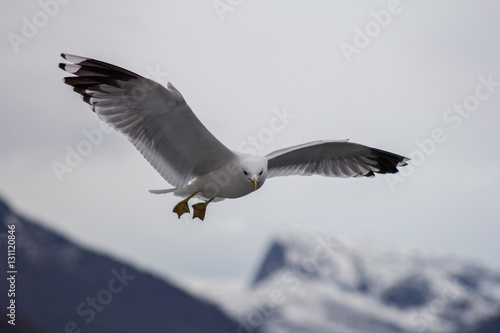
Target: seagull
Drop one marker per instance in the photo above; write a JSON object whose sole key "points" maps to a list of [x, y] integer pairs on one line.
{"points": [[160, 124]]}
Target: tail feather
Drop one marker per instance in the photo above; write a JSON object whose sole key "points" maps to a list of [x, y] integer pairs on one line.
{"points": [[170, 190]]}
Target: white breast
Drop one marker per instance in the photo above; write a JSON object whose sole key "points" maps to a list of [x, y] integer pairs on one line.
{"points": [[229, 181]]}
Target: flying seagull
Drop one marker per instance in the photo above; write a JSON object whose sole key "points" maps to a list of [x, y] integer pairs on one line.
{"points": [[160, 124]]}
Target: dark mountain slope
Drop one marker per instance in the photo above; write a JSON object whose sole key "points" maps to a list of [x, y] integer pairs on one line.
{"points": [[61, 287]]}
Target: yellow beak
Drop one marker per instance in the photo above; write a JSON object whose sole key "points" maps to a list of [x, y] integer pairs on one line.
{"points": [[254, 182]]}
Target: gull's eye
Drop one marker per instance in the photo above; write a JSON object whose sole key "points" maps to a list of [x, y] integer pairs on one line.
{"points": [[260, 173], [246, 173]]}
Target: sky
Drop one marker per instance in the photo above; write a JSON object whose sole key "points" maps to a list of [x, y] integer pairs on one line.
{"points": [[417, 78]]}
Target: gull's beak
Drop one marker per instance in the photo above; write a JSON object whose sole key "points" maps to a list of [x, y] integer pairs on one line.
{"points": [[254, 182]]}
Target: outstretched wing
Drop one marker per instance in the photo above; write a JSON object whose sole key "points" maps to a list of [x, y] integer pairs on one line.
{"points": [[155, 119], [332, 159]]}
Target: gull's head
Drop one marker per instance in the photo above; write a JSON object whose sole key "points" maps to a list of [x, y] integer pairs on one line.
{"points": [[254, 170]]}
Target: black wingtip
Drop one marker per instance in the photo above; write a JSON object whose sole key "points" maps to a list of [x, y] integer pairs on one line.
{"points": [[65, 81], [369, 174]]}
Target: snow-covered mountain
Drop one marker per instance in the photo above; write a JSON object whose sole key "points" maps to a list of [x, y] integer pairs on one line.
{"points": [[314, 282], [308, 282]]}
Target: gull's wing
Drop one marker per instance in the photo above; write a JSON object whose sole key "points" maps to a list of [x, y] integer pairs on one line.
{"points": [[332, 159], [155, 119]]}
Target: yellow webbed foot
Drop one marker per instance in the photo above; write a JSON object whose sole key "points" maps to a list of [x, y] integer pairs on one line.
{"points": [[181, 208], [200, 208]]}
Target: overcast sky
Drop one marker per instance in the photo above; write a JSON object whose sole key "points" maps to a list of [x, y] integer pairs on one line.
{"points": [[418, 78]]}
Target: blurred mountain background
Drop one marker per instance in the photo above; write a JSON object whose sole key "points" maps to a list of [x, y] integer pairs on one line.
{"points": [[60, 284], [307, 281]]}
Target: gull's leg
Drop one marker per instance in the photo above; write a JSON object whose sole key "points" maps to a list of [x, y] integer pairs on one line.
{"points": [[200, 208], [183, 207]]}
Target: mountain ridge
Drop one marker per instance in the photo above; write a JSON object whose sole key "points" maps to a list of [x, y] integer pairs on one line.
{"points": [[63, 287], [307, 281], [346, 284]]}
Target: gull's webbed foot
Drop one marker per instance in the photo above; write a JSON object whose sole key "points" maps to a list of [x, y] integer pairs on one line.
{"points": [[200, 208], [183, 207]]}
